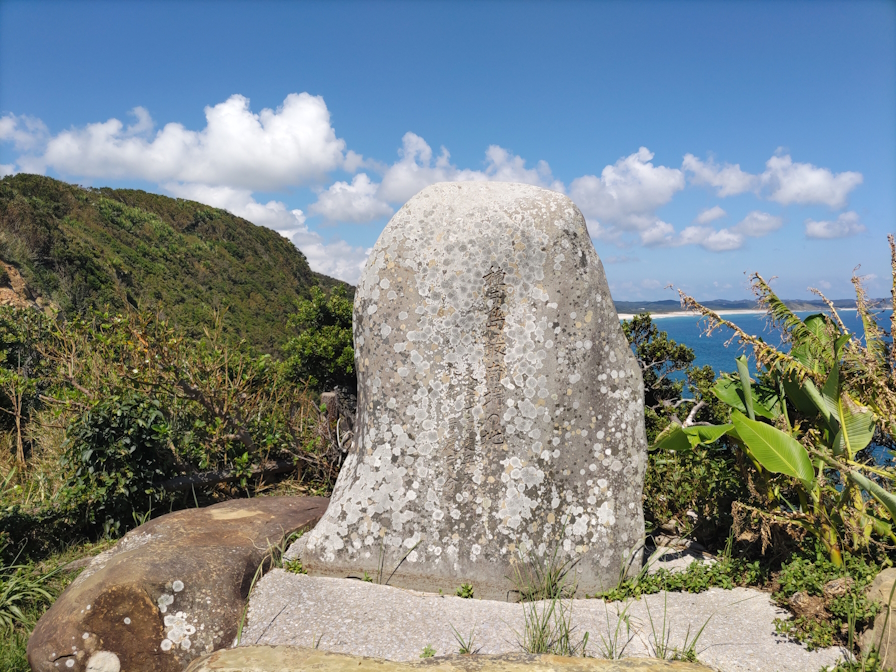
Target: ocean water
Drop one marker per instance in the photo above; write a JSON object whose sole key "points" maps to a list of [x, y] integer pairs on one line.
{"points": [[717, 352]]}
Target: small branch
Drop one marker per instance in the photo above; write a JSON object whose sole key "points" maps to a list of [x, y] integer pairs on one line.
{"points": [[82, 390], [690, 419], [61, 402]]}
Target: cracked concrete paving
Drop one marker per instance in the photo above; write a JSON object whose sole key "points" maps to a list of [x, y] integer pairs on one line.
{"points": [[367, 619]]}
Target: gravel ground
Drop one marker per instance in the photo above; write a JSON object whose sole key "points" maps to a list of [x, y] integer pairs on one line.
{"points": [[350, 616]]}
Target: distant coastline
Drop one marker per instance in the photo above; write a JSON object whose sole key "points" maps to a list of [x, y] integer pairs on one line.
{"points": [[721, 312]]}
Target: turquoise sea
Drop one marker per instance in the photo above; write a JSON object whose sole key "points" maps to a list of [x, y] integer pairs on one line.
{"points": [[712, 349]]}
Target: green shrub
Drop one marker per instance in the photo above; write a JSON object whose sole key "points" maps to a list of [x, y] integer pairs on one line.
{"points": [[726, 572], [810, 574], [115, 452], [321, 355], [692, 492], [804, 425], [688, 493]]}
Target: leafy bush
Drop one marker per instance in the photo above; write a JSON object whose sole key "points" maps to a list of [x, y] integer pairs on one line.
{"points": [[321, 355], [726, 572], [839, 604], [690, 493], [805, 424], [116, 451], [687, 493]]}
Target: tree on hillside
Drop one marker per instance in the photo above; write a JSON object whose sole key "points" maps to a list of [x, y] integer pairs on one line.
{"points": [[321, 354]]}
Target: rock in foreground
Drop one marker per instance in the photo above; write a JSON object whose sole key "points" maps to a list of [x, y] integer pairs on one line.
{"points": [[169, 591], [500, 408], [295, 659]]}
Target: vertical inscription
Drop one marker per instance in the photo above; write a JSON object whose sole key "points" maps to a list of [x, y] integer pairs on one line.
{"points": [[493, 403], [461, 445]]}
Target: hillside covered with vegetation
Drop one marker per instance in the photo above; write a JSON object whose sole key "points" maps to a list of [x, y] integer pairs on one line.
{"points": [[84, 249]]}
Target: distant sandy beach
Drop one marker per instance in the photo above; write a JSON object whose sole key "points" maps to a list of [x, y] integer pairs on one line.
{"points": [[688, 313], [722, 313]]}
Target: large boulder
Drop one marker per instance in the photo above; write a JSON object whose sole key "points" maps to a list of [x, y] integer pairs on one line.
{"points": [[882, 633], [169, 591], [500, 408]]}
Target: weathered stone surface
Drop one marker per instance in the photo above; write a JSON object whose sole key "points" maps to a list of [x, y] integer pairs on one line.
{"points": [[298, 659], [882, 634], [169, 591], [500, 408]]}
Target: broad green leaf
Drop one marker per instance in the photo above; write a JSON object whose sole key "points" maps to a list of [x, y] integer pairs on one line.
{"points": [[773, 449], [817, 323], [842, 340], [885, 497], [744, 374], [831, 391], [672, 438], [766, 402], [728, 392], [818, 399], [706, 434], [856, 425], [800, 397]]}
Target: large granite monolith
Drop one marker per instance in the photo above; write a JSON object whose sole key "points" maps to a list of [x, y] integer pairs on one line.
{"points": [[500, 408]]}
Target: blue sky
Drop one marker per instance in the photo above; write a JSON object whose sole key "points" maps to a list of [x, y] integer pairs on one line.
{"points": [[702, 140]]}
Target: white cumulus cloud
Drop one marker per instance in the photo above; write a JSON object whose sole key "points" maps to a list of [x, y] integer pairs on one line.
{"points": [[757, 224], [790, 182], [659, 234], [722, 240], [417, 168], [710, 215], [782, 181], [627, 193], [238, 148], [728, 180], [25, 133], [663, 234], [847, 224], [356, 202]]}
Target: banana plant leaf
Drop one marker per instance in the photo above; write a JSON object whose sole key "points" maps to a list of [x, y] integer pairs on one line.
{"points": [[678, 438], [856, 425], [729, 391], [672, 438], [885, 497], [801, 396], [773, 449], [706, 433], [745, 387]]}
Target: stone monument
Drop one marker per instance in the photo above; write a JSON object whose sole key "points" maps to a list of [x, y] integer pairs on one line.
{"points": [[500, 408]]}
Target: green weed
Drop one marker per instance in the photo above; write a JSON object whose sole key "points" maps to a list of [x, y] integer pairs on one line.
{"points": [[465, 644], [844, 608], [428, 651], [699, 576], [612, 647], [662, 646], [543, 585], [465, 591]]}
